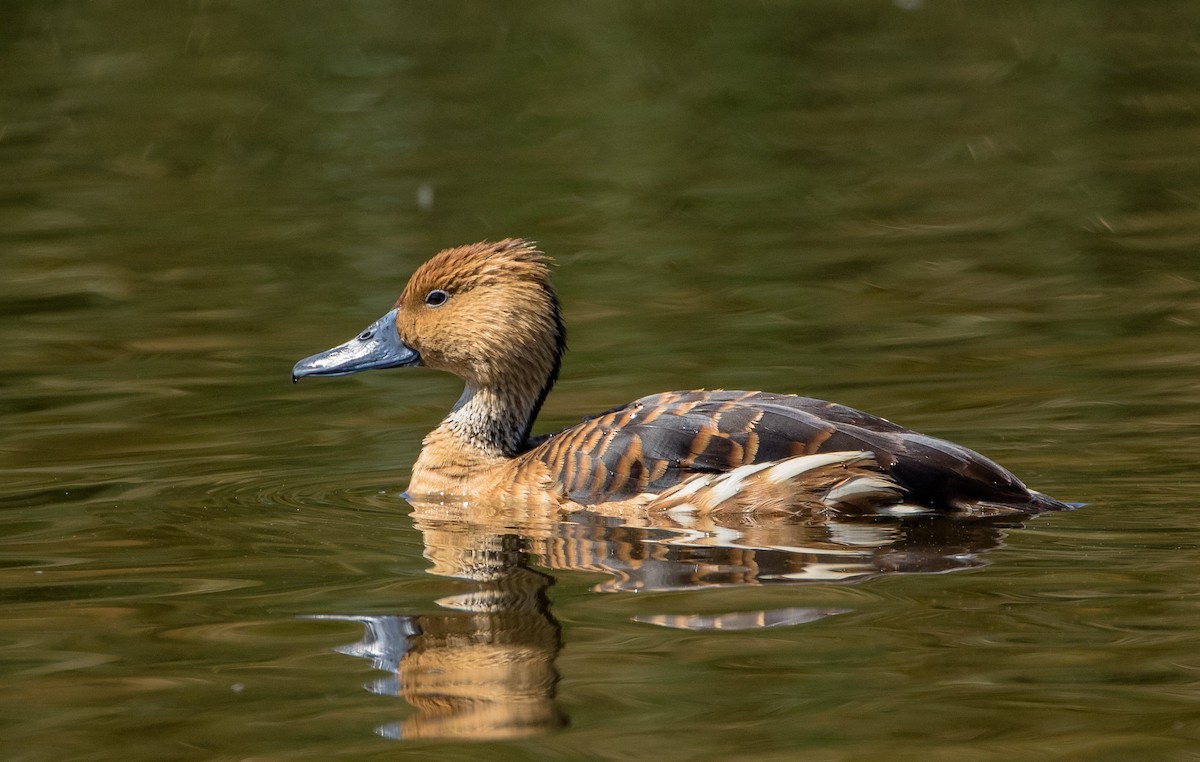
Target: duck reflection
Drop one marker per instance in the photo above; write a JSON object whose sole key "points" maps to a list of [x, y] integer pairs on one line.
{"points": [[484, 667], [485, 671]]}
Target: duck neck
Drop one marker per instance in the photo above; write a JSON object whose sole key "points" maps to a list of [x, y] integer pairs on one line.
{"points": [[496, 411], [495, 420]]}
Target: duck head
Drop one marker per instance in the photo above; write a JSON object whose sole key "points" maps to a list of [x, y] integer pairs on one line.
{"points": [[486, 313]]}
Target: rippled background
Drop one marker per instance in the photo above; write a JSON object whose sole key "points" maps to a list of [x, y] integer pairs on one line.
{"points": [[978, 219]]}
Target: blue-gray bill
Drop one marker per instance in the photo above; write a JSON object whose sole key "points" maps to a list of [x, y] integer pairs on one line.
{"points": [[378, 347]]}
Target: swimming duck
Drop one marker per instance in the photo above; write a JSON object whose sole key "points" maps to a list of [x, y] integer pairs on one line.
{"points": [[488, 313]]}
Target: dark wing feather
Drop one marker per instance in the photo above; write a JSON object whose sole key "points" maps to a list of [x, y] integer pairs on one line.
{"points": [[655, 442]]}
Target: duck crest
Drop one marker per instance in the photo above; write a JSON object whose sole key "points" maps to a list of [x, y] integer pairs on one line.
{"points": [[487, 313]]}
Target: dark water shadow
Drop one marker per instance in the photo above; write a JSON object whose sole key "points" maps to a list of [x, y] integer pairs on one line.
{"points": [[484, 668]]}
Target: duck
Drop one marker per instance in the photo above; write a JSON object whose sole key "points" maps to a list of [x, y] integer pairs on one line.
{"points": [[488, 314]]}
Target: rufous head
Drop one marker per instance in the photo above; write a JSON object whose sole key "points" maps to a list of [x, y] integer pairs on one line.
{"points": [[485, 312]]}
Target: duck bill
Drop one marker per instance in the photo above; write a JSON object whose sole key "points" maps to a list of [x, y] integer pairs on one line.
{"points": [[378, 347]]}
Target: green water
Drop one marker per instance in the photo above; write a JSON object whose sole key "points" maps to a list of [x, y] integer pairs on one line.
{"points": [[981, 220]]}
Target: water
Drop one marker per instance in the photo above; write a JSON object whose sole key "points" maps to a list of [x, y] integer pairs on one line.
{"points": [[976, 219]]}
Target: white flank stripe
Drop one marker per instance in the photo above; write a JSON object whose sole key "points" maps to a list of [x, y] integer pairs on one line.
{"points": [[727, 485], [794, 466], [865, 485], [690, 486]]}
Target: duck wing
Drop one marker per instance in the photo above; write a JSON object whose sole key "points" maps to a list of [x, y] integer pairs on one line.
{"points": [[656, 442]]}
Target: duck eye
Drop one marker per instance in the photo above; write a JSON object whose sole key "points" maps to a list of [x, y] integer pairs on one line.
{"points": [[436, 298]]}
